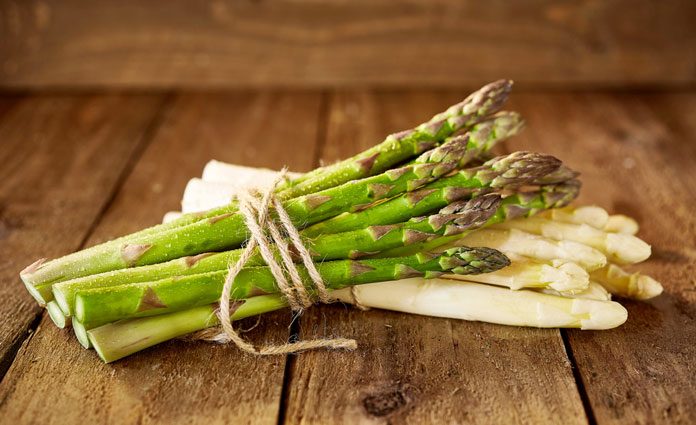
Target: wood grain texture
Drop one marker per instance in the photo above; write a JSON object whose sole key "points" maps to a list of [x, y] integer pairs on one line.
{"points": [[308, 43], [61, 156], [637, 154], [413, 369], [177, 382]]}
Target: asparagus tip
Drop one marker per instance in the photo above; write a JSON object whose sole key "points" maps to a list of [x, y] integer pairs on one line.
{"points": [[621, 224], [647, 287], [600, 314], [627, 249]]}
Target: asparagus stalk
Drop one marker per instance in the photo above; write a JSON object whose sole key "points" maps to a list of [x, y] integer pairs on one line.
{"points": [[81, 333], [618, 247], [96, 307], [201, 195], [628, 285], [399, 147], [523, 204], [512, 169], [591, 215], [416, 235], [227, 230], [240, 176], [457, 217], [517, 242], [116, 340], [129, 250], [472, 301], [621, 224], [221, 182], [594, 291], [524, 273], [56, 315], [433, 297], [508, 171]]}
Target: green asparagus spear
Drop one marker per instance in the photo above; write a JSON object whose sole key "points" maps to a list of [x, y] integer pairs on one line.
{"points": [[56, 315], [395, 149], [120, 339], [80, 332], [524, 204], [508, 171], [402, 239], [399, 147], [227, 230], [116, 340], [460, 216], [96, 307]]}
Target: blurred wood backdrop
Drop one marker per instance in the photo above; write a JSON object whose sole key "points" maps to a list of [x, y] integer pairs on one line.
{"points": [[308, 43]]}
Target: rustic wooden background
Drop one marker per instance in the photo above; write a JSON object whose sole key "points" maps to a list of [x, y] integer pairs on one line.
{"points": [[78, 169], [239, 43], [107, 108]]}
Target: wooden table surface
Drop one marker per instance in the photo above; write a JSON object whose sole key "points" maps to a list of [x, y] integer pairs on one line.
{"points": [[77, 169]]}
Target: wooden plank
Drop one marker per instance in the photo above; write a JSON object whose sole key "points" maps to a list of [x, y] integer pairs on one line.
{"points": [[637, 156], [413, 369], [59, 154], [226, 43], [178, 382], [7, 102]]}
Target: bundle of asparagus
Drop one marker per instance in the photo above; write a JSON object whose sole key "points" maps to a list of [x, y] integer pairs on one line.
{"points": [[396, 215], [551, 272]]}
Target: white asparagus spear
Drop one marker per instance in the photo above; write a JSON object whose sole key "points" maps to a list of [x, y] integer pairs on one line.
{"points": [[514, 241], [239, 175], [620, 223], [629, 285], [566, 278], [201, 195], [219, 184], [587, 214], [564, 250], [171, 216], [594, 291], [474, 301], [618, 247]]}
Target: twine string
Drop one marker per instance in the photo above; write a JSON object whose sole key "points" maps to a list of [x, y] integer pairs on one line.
{"points": [[255, 206]]}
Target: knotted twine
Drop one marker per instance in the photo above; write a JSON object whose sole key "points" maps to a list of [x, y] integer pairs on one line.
{"points": [[255, 207]]}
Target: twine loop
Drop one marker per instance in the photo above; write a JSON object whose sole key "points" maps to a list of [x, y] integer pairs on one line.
{"points": [[255, 207]]}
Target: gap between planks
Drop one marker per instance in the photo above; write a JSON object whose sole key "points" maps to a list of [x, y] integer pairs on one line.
{"points": [[579, 383], [505, 149], [294, 335]]}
